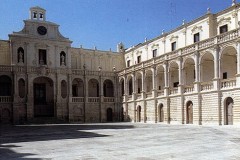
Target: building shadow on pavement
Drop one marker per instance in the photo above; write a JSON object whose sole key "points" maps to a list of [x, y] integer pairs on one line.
{"points": [[10, 135]]}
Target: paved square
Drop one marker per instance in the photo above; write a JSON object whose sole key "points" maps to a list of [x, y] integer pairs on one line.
{"points": [[120, 141]]}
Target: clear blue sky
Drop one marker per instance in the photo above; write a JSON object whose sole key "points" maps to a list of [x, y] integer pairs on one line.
{"points": [[104, 23]]}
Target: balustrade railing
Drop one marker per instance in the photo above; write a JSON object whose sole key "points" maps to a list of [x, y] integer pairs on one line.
{"points": [[129, 97], [188, 89], [5, 99], [160, 93], [174, 90], [108, 99], [206, 86], [148, 94], [139, 96], [93, 99], [77, 99], [228, 83]]}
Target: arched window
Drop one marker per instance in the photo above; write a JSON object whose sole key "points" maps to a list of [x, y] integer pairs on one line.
{"points": [[64, 89], [20, 54], [108, 90], [62, 58], [21, 88], [93, 88]]}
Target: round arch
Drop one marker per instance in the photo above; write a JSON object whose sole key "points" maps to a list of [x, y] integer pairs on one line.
{"points": [[93, 88], [108, 88]]}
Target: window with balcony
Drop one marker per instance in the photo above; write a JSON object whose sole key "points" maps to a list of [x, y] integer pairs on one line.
{"points": [[225, 75], [139, 59], [128, 63], [174, 46], [223, 29], [175, 84], [154, 52], [196, 37]]}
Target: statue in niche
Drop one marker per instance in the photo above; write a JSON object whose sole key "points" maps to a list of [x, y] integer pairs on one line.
{"points": [[20, 57], [62, 60]]}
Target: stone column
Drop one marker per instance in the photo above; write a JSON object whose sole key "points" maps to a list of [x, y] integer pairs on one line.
{"points": [[238, 64], [216, 80], [166, 78], [143, 84], [101, 96], [180, 85], [197, 72], [70, 114]]}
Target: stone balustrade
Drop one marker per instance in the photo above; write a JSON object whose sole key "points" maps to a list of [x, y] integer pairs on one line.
{"points": [[160, 93], [228, 83], [5, 99], [77, 99], [93, 99], [173, 90], [188, 89], [108, 99], [205, 86]]}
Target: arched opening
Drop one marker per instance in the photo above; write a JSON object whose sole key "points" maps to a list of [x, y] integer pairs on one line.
{"points": [[174, 75], [20, 55], [109, 115], [207, 66], [139, 82], [148, 81], [6, 116], [5, 85], [189, 72], [21, 88], [228, 111], [43, 97], [160, 78], [108, 89], [77, 88], [160, 113], [139, 114], [130, 86], [63, 89], [189, 112], [228, 63], [62, 58], [93, 88]]}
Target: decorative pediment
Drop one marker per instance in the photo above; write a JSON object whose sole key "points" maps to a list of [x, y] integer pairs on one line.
{"points": [[196, 29], [224, 20], [173, 38]]}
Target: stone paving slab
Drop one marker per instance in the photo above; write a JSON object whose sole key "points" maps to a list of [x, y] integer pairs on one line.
{"points": [[110, 141]]}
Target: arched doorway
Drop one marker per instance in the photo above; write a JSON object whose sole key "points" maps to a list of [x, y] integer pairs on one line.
{"points": [[43, 97], [160, 113], [228, 109], [109, 115], [139, 114], [189, 113]]}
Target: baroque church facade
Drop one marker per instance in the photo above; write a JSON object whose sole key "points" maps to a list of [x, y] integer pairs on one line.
{"points": [[190, 75]]}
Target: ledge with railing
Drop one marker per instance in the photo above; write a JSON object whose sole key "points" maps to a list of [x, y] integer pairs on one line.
{"points": [[205, 86], [173, 90], [160, 93], [188, 89], [228, 83], [5, 99], [139, 96], [77, 99], [148, 94], [93, 99], [109, 99]]}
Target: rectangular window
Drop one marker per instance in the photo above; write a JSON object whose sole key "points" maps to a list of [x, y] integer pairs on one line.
{"points": [[175, 84], [159, 87], [196, 37], [225, 75], [138, 59], [139, 91], [42, 56], [223, 29], [128, 63], [174, 46], [154, 52]]}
